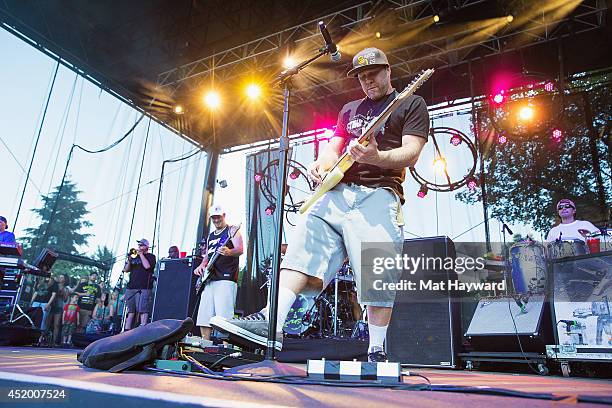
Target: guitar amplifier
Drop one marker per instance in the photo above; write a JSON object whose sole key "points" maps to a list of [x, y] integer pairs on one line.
{"points": [[175, 291], [425, 325]]}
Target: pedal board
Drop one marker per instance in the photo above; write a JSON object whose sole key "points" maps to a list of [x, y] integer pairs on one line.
{"points": [[213, 354], [354, 371]]}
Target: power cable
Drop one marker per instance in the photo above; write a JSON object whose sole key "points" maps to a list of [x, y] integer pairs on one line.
{"points": [[42, 122], [161, 182], [23, 170], [59, 191], [144, 152]]}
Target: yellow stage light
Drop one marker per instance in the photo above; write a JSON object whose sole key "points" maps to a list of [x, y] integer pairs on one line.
{"points": [[439, 165], [436, 18], [212, 100], [253, 91], [378, 34], [289, 62], [178, 109], [510, 18], [526, 113]]}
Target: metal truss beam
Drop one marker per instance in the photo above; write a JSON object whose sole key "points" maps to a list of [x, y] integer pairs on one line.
{"points": [[441, 53], [447, 50]]}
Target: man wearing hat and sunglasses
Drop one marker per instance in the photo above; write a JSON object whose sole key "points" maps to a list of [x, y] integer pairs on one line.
{"points": [[138, 291], [6, 237], [218, 297], [569, 228], [364, 207]]}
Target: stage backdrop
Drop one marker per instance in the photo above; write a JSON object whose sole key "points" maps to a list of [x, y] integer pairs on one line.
{"points": [[260, 228]]}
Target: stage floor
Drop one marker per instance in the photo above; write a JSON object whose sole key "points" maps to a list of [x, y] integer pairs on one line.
{"points": [[26, 366]]}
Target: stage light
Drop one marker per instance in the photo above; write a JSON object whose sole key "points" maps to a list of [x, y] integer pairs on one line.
{"points": [[526, 113], [289, 62], [472, 184], [439, 164], [549, 86], [502, 139], [222, 183], [253, 91], [510, 18], [455, 140], [178, 109], [328, 133], [436, 18], [258, 177], [378, 34], [499, 97], [422, 191], [212, 100], [557, 135], [270, 209], [294, 174]]}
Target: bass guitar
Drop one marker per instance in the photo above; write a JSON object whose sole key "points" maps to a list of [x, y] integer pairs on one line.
{"points": [[207, 273]]}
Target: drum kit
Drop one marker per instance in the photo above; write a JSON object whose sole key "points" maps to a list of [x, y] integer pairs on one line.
{"points": [[528, 259], [333, 312]]}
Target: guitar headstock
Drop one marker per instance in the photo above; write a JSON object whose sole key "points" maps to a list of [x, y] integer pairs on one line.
{"points": [[417, 81]]}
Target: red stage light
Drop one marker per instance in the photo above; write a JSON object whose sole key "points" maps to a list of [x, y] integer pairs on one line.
{"points": [[455, 140], [422, 191], [502, 139], [270, 209], [472, 184], [557, 134], [549, 86], [258, 177], [499, 97], [294, 174]]}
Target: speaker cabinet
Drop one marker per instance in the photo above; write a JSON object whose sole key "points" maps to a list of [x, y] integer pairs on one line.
{"points": [[175, 291], [425, 325], [499, 324]]}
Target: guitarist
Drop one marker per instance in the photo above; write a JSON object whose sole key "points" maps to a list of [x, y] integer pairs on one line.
{"points": [[219, 294], [363, 207]]}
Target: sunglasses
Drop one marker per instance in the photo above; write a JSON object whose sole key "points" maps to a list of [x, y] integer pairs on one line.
{"points": [[565, 206]]}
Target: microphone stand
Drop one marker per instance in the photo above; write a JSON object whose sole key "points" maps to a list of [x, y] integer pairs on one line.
{"points": [[284, 79]]}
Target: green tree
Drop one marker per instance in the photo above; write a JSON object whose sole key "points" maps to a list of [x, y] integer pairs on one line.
{"points": [[62, 218], [526, 176]]}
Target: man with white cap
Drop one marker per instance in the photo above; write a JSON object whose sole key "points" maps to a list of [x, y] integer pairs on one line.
{"points": [[219, 295], [138, 291], [569, 228], [365, 205]]}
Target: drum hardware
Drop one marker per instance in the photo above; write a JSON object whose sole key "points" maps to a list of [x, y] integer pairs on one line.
{"points": [[328, 314]]}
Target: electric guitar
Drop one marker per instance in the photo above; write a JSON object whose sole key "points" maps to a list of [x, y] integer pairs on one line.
{"points": [[207, 273], [336, 172]]}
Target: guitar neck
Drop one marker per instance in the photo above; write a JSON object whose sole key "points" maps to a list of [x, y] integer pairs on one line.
{"points": [[345, 161]]}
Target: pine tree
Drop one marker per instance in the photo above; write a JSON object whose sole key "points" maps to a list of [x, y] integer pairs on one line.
{"points": [[62, 219], [527, 175]]}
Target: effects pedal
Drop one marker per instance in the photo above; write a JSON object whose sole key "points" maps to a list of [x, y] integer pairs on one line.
{"points": [[388, 373]]}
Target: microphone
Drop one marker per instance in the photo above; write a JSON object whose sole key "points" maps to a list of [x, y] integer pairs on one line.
{"points": [[329, 44]]}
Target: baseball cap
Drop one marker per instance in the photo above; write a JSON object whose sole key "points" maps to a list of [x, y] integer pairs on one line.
{"points": [[143, 242], [367, 58], [2, 218], [216, 210]]}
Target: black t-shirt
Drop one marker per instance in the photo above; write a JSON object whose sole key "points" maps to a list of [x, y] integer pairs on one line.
{"points": [[141, 278], [88, 302], [409, 118], [225, 267], [44, 292]]}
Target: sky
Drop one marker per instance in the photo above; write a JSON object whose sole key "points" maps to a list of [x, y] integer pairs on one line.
{"points": [[79, 112]]}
